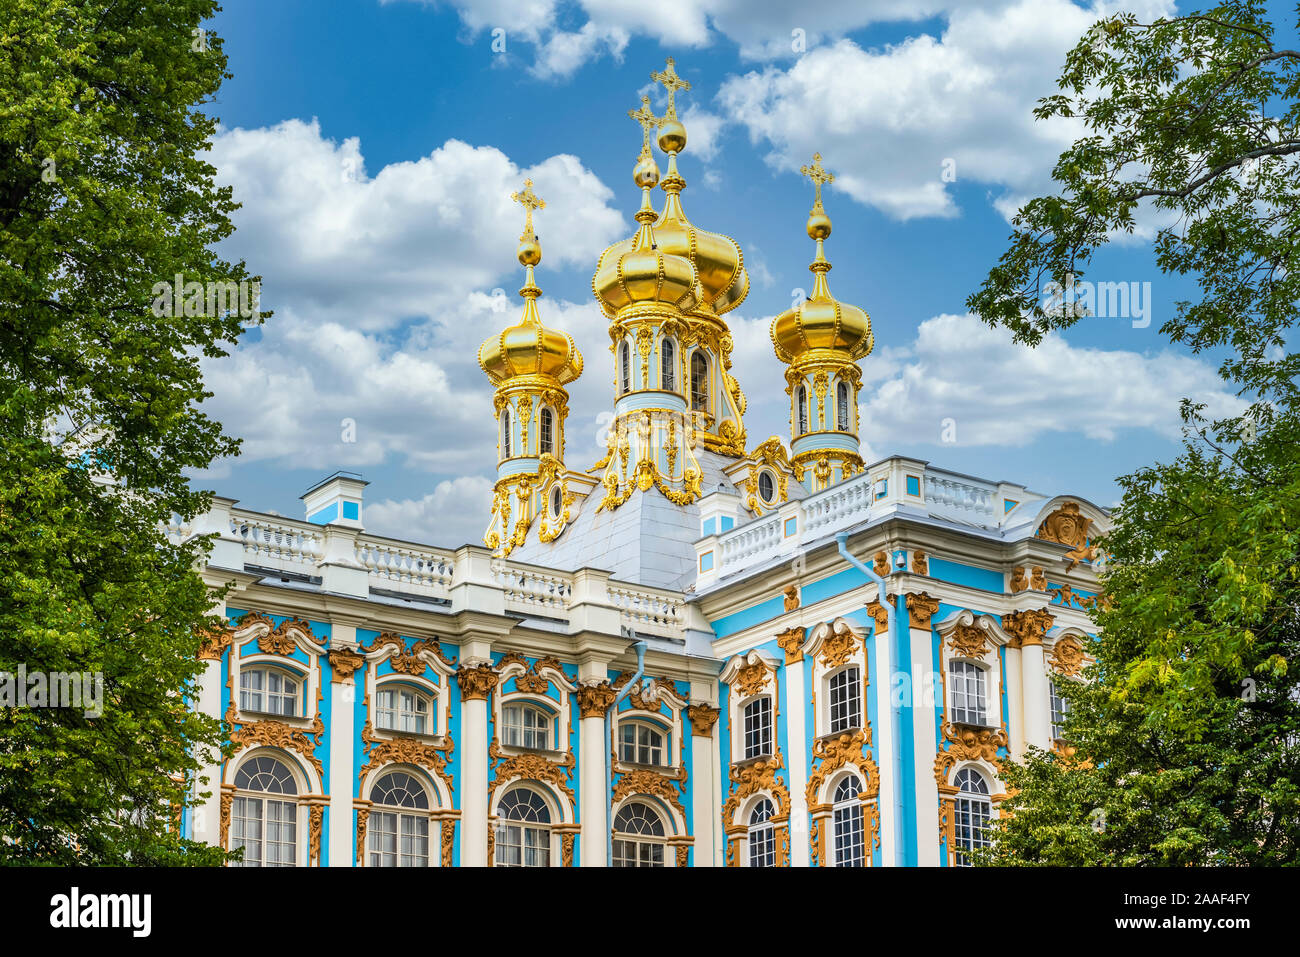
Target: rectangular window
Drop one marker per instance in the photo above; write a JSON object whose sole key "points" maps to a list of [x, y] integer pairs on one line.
{"points": [[846, 700], [968, 702], [640, 744], [758, 728], [914, 485], [762, 847], [1059, 709], [972, 816], [526, 728]]}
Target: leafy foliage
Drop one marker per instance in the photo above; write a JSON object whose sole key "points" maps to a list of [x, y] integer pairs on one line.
{"points": [[104, 193]]}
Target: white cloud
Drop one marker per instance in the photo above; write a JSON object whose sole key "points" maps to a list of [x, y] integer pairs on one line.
{"points": [[1003, 394], [453, 514], [886, 121], [413, 240]]}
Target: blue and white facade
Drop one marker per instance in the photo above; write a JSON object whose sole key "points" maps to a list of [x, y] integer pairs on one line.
{"points": [[693, 653]]}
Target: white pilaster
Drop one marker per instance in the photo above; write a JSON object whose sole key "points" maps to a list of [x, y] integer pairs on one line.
{"points": [[593, 798], [1038, 725], [474, 783], [885, 691], [704, 781], [925, 684], [341, 782], [797, 738], [1015, 702]]}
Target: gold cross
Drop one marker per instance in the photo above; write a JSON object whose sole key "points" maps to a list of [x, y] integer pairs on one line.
{"points": [[648, 121], [672, 83], [529, 201], [818, 175]]}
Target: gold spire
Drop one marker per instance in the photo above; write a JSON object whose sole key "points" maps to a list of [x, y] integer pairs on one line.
{"points": [[821, 321], [672, 135], [671, 82], [529, 348]]}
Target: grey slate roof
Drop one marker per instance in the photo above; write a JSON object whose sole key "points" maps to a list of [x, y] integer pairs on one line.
{"points": [[647, 540]]}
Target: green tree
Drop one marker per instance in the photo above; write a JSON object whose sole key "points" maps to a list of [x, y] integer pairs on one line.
{"points": [[1186, 732], [104, 193]]}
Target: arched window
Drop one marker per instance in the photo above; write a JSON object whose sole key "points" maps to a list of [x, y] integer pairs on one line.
{"points": [[269, 690], [545, 432], [625, 367], [557, 501], [842, 407], [1060, 707], [505, 433], [524, 837], [524, 726], [402, 709], [758, 728], [667, 366], [846, 818], [636, 827], [973, 811], [265, 827], [641, 743], [762, 836], [398, 831], [803, 410], [845, 700], [699, 383], [968, 699], [766, 487]]}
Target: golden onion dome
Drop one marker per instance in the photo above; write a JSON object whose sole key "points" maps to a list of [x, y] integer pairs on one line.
{"points": [[821, 322], [529, 348], [640, 271]]}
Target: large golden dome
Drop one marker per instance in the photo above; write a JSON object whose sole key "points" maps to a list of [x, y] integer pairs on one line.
{"points": [[528, 348], [640, 270], [821, 322]]}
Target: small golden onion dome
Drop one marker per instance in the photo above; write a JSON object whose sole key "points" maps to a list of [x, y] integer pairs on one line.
{"points": [[821, 322], [640, 271], [528, 348], [724, 282]]}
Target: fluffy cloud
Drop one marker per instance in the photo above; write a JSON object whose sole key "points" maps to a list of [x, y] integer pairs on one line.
{"points": [[453, 514], [888, 120], [1002, 394], [414, 239]]}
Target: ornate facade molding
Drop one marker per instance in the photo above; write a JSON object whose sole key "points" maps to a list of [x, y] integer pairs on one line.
{"points": [[920, 563], [1067, 657], [920, 609], [831, 754], [790, 641], [344, 663], [646, 781], [1027, 627], [277, 734], [703, 718], [880, 614], [752, 777], [792, 598], [533, 767], [594, 700], [967, 744], [380, 751], [476, 683]]}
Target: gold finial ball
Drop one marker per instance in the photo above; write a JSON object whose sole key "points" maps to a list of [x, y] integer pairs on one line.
{"points": [[819, 224], [646, 172], [530, 251], [672, 136]]}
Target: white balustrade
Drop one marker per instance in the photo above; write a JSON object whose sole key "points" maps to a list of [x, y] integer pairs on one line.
{"points": [[648, 611], [533, 590], [276, 543], [402, 567]]}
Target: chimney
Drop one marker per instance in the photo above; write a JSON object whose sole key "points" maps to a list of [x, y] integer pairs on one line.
{"points": [[336, 500]]}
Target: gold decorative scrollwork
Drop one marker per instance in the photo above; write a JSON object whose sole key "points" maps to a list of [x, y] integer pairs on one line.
{"points": [[703, 718], [277, 734]]}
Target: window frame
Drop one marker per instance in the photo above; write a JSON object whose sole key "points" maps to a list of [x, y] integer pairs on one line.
{"points": [[243, 798], [700, 391], [843, 415], [528, 706], [801, 399], [541, 832], [764, 732], [269, 670], [545, 431], [505, 434], [854, 702], [417, 694], [667, 365], [624, 368], [401, 814], [972, 812], [961, 715], [641, 724], [643, 846], [760, 835], [848, 811]]}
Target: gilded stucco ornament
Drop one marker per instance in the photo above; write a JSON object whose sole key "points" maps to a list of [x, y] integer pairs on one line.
{"points": [[879, 614], [594, 699], [476, 683], [344, 663], [752, 777], [1027, 627], [791, 642], [660, 784], [703, 717], [792, 598], [967, 744], [920, 563], [1067, 657], [277, 734], [533, 767], [921, 607], [969, 641], [1017, 583]]}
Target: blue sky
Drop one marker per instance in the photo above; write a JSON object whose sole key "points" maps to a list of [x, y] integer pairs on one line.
{"points": [[374, 146]]}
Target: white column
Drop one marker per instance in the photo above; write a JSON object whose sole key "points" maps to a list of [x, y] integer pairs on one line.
{"points": [[1015, 702], [343, 695], [1038, 730], [207, 816], [595, 695], [797, 736], [884, 692], [476, 680], [923, 732], [704, 775]]}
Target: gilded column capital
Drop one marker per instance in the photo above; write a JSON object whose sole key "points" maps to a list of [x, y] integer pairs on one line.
{"points": [[880, 614], [476, 683], [344, 663], [594, 700], [703, 718], [920, 609], [791, 641], [1027, 627]]}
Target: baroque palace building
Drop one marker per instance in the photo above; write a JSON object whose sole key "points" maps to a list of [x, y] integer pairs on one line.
{"points": [[697, 652]]}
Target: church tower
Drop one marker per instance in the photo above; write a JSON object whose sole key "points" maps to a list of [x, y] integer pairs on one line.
{"points": [[529, 365], [648, 293], [821, 341]]}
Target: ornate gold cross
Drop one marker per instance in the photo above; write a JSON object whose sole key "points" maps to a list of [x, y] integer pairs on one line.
{"points": [[818, 175], [648, 121], [671, 82], [529, 201]]}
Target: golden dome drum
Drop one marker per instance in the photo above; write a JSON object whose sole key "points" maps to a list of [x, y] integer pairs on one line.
{"points": [[822, 323], [530, 349]]}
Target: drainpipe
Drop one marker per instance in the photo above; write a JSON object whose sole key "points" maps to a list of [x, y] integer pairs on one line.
{"points": [[896, 706], [609, 765]]}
